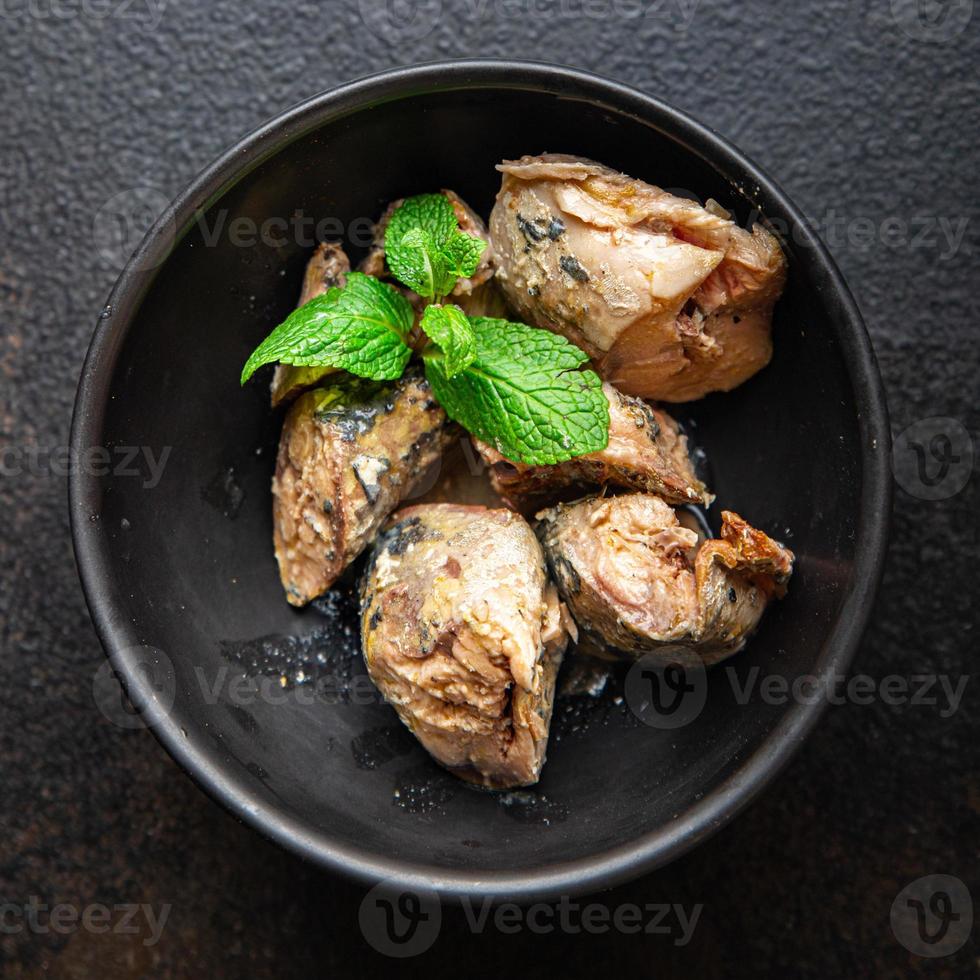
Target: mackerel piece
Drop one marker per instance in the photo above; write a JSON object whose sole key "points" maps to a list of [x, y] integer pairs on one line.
{"points": [[636, 580], [463, 634], [670, 300], [349, 454]]}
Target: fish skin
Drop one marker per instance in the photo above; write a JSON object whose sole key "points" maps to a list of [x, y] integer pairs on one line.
{"points": [[342, 468]]}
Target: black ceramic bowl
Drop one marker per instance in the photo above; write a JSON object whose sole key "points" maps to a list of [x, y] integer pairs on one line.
{"points": [[181, 579]]}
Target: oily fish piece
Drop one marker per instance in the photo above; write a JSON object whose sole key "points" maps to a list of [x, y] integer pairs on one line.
{"points": [[635, 579], [646, 451], [349, 454], [670, 299], [328, 267], [463, 634]]}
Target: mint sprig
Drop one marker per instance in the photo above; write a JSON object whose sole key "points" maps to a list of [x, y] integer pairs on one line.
{"points": [[420, 263], [426, 250], [523, 394], [520, 389], [362, 328]]}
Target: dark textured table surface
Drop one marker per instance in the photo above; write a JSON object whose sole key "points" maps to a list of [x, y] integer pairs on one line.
{"points": [[867, 112]]}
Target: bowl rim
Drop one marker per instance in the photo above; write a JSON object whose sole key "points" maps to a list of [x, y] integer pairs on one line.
{"points": [[604, 868]]}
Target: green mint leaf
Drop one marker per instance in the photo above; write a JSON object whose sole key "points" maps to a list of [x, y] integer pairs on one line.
{"points": [[297, 336], [523, 394], [449, 327], [420, 263], [463, 254], [361, 328], [426, 250], [431, 212]]}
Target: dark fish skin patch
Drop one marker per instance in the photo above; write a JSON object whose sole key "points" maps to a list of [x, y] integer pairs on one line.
{"points": [[404, 533], [530, 230], [573, 267], [371, 490], [556, 229], [562, 571]]}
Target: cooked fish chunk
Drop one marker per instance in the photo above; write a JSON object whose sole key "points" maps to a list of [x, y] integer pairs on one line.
{"points": [[646, 451], [463, 634], [635, 579], [671, 300], [349, 453], [327, 267]]}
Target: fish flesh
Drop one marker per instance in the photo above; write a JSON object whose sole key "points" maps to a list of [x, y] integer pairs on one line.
{"points": [[636, 580], [671, 299], [463, 634]]}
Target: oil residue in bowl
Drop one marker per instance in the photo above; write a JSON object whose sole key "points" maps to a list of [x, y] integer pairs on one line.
{"points": [[590, 696], [327, 656], [424, 789], [527, 806], [459, 477], [377, 746], [225, 493], [584, 675]]}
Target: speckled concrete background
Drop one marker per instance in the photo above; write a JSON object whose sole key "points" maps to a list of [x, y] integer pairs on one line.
{"points": [[867, 112]]}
